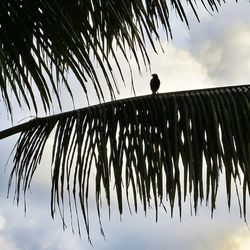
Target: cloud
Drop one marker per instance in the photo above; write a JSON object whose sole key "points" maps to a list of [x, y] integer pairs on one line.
{"points": [[239, 239], [2, 223], [175, 68], [36, 230], [4, 239], [6, 245], [227, 59], [217, 50], [214, 52], [221, 44]]}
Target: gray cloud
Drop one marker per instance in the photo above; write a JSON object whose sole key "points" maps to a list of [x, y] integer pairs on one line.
{"points": [[217, 50], [221, 44]]}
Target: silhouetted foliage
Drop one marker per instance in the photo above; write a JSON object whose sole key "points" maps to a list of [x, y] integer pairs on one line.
{"points": [[152, 149]]}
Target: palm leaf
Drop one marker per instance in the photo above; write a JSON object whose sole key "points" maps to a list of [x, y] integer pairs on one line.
{"points": [[40, 41], [154, 149]]}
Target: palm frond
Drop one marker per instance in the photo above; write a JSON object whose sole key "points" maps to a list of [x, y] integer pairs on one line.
{"points": [[154, 149], [40, 41]]}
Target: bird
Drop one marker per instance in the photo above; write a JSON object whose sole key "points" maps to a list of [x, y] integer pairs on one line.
{"points": [[154, 83]]}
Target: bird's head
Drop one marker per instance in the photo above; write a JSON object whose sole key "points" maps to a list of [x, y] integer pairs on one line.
{"points": [[154, 75]]}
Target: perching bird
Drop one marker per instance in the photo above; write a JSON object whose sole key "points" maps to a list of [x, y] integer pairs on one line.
{"points": [[154, 83]]}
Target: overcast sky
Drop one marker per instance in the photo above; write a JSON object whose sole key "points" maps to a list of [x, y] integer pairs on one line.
{"points": [[214, 52]]}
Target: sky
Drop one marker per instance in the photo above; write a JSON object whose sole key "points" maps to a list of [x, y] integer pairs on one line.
{"points": [[214, 52]]}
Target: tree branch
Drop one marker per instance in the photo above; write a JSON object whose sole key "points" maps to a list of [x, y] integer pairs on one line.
{"points": [[28, 125]]}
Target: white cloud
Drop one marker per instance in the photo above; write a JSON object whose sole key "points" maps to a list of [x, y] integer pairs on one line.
{"points": [[220, 43], [5, 242], [227, 59], [239, 239], [2, 223], [177, 69], [216, 50]]}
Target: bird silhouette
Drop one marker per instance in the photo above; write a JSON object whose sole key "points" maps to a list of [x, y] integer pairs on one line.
{"points": [[154, 83]]}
